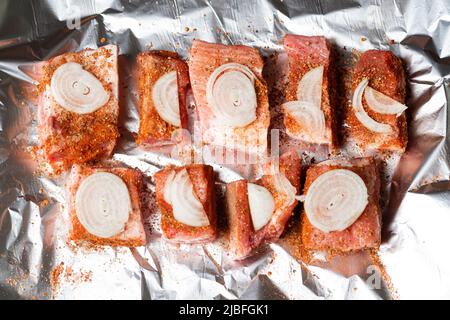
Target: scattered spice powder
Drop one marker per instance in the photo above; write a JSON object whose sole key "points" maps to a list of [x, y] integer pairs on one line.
{"points": [[56, 275], [65, 274], [376, 260]]}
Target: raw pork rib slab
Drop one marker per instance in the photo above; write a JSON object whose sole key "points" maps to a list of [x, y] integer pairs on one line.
{"points": [[243, 237], [202, 178], [133, 234], [204, 59], [71, 138], [152, 66], [365, 232], [386, 74], [304, 54]]}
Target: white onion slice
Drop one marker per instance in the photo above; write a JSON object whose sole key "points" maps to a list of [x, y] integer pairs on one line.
{"points": [[103, 204], [165, 98], [76, 89], [261, 205], [362, 115], [307, 115], [179, 193], [382, 103], [284, 186], [310, 87], [335, 200], [230, 92]]}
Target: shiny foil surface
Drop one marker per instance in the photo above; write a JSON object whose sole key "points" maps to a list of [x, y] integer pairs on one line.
{"points": [[37, 262]]}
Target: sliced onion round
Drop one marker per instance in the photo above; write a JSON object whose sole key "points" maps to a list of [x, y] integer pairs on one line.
{"points": [[77, 90], [362, 115], [307, 115], [310, 87], [230, 92], [103, 204], [165, 98], [261, 205], [335, 200], [179, 193], [381, 103]]}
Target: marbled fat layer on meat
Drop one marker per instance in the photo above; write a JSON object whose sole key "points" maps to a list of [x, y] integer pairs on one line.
{"points": [[204, 59], [202, 178], [133, 234], [153, 130], [365, 232], [304, 54], [69, 138], [386, 74]]}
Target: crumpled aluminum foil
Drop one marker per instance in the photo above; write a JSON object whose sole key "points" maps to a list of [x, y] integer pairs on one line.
{"points": [[37, 262]]}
